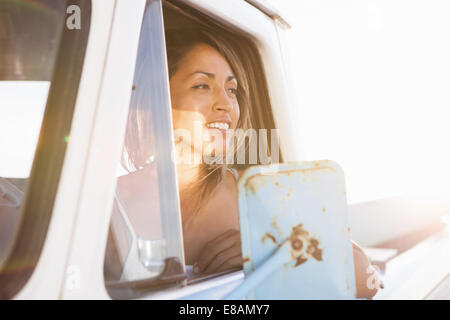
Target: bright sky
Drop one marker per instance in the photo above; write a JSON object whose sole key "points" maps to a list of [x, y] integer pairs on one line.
{"points": [[21, 110], [372, 80]]}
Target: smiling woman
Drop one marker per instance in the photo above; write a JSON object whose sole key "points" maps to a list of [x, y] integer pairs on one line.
{"points": [[209, 94]]}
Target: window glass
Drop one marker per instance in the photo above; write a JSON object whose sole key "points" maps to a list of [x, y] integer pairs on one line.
{"points": [[145, 231], [41, 58], [29, 38]]}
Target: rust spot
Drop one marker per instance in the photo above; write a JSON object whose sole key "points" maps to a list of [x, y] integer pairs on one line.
{"points": [[324, 209], [277, 184], [246, 259], [318, 169], [301, 259], [348, 229], [299, 239], [270, 236], [298, 230], [275, 225], [133, 87], [290, 193], [255, 184], [317, 254], [252, 188], [313, 249], [297, 244]]}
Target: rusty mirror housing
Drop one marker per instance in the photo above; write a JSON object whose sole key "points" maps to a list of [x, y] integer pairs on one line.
{"points": [[295, 232]]}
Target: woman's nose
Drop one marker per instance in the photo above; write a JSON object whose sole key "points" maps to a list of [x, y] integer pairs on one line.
{"points": [[222, 101]]}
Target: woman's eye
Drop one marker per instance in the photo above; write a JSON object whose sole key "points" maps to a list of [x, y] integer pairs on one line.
{"points": [[201, 86], [233, 91]]}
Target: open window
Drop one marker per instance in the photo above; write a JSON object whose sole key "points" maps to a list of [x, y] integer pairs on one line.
{"points": [[145, 243]]}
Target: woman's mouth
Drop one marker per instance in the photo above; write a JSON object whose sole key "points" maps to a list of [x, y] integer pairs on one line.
{"points": [[217, 129], [218, 125]]}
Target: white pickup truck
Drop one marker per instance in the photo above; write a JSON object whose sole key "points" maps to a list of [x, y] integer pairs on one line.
{"points": [[66, 78]]}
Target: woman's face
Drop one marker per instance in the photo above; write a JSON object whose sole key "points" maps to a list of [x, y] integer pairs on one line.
{"points": [[203, 94]]}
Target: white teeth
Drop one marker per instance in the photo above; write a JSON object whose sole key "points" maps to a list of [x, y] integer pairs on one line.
{"points": [[218, 125]]}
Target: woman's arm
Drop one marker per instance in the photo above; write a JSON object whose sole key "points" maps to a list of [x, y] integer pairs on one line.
{"points": [[224, 253], [366, 275], [221, 254]]}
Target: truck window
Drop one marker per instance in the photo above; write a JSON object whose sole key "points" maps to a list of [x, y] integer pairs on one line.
{"points": [[145, 231], [145, 242], [40, 68]]}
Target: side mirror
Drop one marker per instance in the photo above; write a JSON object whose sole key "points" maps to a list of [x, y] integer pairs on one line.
{"points": [[295, 234]]}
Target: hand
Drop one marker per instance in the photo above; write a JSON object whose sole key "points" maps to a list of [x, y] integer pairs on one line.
{"points": [[364, 271], [220, 254]]}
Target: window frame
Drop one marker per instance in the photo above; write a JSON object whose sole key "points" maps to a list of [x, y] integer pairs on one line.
{"points": [[159, 87], [142, 288], [39, 200], [152, 29], [96, 148]]}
